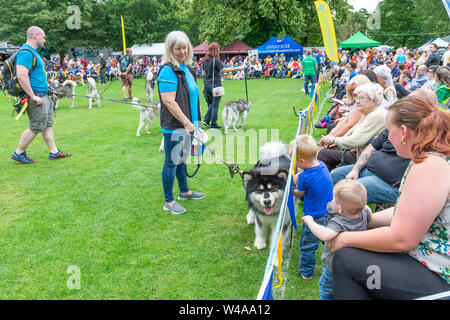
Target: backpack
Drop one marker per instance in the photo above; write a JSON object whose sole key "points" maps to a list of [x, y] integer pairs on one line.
{"points": [[124, 62], [10, 82]]}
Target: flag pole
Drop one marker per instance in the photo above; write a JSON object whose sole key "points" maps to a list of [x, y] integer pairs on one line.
{"points": [[123, 36]]}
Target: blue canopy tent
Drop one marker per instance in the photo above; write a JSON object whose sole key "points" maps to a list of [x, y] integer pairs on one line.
{"points": [[286, 45]]}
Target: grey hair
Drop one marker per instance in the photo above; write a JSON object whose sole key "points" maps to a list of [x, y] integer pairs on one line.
{"points": [[385, 73], [177, 38], [373, 90]]}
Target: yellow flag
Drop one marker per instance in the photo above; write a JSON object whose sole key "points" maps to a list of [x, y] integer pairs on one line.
{"points": [[123, 36], [327, 26], [279, 253]]}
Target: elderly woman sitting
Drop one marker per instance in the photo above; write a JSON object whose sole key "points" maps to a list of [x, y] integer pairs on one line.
{"points": [[384, 76], [346, 148]]}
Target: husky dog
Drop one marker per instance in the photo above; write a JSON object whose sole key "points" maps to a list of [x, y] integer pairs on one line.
{"points": [[264, 185], [66, 90], [147, 114], [149, 85], [233, 111], [92, 92]]}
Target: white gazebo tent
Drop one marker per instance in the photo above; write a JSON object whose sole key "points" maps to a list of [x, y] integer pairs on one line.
{"points": [[438, 41], [155, 49]]}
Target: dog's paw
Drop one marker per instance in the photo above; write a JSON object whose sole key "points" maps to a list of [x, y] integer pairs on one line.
{"points": [[250, 219], [260, 244]]}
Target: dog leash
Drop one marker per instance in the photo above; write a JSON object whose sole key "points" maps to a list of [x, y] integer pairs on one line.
{"points": [[233, 168], [124, 101]]}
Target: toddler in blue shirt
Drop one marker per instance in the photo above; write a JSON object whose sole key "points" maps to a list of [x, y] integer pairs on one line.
{"points": [[316, 187]]}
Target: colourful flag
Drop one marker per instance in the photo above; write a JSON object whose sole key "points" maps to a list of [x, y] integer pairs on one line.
{"points": [[328, 33], [265, 292], [291, 205], [447, 6]]}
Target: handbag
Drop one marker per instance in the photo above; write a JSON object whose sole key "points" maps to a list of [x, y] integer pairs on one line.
{"points": [[217, 91]]}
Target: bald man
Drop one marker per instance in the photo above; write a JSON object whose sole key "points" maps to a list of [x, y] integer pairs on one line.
{"points": [[40, 108]]}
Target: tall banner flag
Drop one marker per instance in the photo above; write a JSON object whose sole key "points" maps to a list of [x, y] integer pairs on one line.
{"points": [[123, 36], [328, 33], [447, 6]]}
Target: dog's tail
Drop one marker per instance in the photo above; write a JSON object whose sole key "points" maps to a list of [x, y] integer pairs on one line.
{"points": [[272, 150], [92, 82], [70, 83]]}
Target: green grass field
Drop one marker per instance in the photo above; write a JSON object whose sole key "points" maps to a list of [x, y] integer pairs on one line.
{"points": [[101, 209]]}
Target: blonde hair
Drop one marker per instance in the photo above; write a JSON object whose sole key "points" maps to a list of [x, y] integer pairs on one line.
{"points": [[351, 195], [307, 148], [177, 38]]}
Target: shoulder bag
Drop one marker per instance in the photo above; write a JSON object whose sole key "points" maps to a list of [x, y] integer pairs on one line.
{"points": [[217, 91]]}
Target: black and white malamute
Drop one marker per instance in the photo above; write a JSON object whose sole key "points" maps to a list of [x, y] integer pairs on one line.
{"points": [[264, 185]]}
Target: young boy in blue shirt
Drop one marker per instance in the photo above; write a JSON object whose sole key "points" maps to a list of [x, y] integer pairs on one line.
{"points": [[316, 187]]}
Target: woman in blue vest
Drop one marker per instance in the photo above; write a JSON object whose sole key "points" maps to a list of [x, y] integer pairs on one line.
{"points": [[180, 116]]}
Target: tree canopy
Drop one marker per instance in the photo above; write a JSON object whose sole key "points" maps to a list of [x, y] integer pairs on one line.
{"points": [[402, 22]]}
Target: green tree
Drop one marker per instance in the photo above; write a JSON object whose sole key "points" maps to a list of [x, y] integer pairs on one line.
{"points": [[411, 22], [52, 17]]}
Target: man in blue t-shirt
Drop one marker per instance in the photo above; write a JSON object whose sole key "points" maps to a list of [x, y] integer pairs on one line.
{"points": [[319, 58], [33, 80]]}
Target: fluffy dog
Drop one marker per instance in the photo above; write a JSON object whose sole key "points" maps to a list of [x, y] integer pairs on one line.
{"points": [[66, 90], [149, 85], [92, 92], [233, 111], [147, 114], [264, 185]]}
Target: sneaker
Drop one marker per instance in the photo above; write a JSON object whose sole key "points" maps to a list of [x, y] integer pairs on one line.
{"points": [[59, 154], [194, 196], [22, 158], [205, 124], [175, 208], [306, 278], [215, 126]]}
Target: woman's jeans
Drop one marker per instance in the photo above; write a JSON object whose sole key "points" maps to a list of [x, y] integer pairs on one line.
{"points": [[378, 191], [213, 106], [309, 243], [176, 153]]}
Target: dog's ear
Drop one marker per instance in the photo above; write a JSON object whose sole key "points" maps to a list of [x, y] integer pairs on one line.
{"points": [[246, 177], [283, 174]]}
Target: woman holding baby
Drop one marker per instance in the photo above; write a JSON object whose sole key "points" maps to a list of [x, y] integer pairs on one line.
{"points": [[405, 254]]}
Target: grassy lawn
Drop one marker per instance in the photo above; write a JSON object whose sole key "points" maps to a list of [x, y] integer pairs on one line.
{"points": [[101, 209]]}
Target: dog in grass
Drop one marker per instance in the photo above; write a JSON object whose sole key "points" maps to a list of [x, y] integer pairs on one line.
{"points": [[92, 92], [66, 90], [233, 111], [149, 85], [147, 114], [264, 185]]}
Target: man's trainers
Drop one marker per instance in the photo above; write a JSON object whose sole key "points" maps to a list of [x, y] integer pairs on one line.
{"points": [[22, 158], [175, 208], [59, 154], [194, 196]]}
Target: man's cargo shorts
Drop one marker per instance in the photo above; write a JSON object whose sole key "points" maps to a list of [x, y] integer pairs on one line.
{"points": [[40, 117]]}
